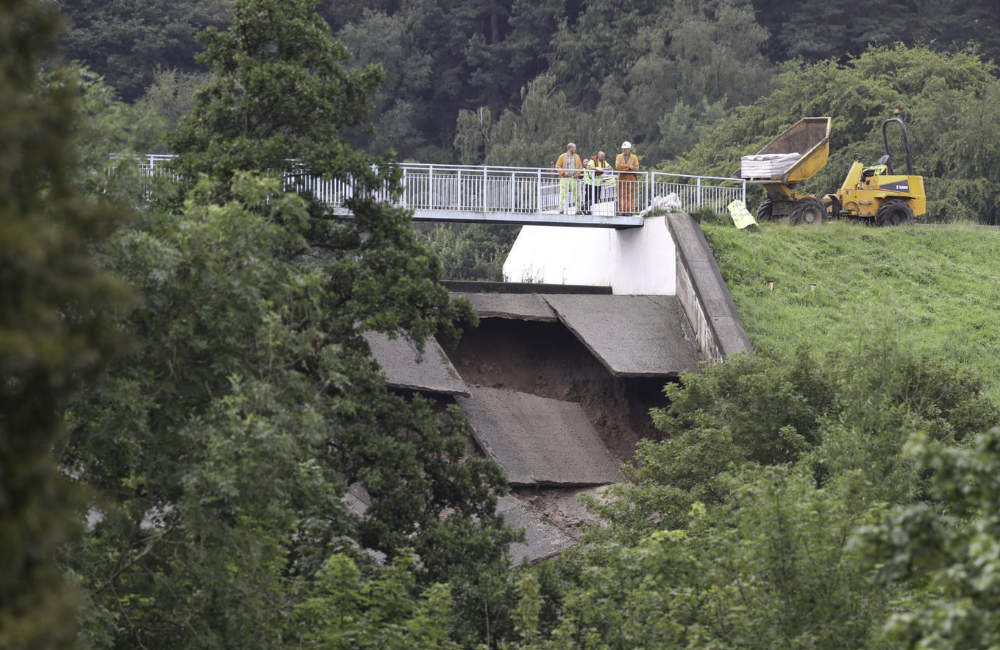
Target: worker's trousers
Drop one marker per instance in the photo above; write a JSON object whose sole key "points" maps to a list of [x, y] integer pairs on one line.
{"points": [[628, 193], [569, 192], [591, 195]]}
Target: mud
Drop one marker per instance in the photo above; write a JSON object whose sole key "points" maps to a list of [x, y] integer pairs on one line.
{"points": [[562, 506], [547, 360]]}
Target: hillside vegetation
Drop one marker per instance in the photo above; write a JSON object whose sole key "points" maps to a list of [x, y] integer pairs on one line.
{"points": [[935, 289]]}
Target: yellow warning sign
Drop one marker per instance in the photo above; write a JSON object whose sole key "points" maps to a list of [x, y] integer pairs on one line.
{"points": [[741, 216]]}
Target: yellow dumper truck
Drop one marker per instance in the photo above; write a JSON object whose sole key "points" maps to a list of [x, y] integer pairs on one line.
{"points": [[874, 193]]}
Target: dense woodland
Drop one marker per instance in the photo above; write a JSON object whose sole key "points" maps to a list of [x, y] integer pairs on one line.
{"points": [[186, 396]]}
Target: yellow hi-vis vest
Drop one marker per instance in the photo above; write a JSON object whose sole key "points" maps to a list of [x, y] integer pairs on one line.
{"points": [[593, 179]]}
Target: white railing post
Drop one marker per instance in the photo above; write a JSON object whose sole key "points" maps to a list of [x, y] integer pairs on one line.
{"points": [[538, 206], [649, 190], [403, 198], [484, 190], [699, 192], [744, 194], [513, 204], [430, 187], [461, 203]]}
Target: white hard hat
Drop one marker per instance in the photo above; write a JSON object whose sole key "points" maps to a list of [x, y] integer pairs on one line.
{"points": [[626, 145]]}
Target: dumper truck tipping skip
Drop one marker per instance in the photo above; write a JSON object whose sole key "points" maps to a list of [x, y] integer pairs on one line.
{"points": [[871, 193]]}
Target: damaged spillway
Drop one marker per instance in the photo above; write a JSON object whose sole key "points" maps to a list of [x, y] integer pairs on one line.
{"points": [[558, 379], [557, 388]]}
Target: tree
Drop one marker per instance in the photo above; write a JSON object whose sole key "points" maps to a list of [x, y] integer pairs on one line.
{"points": [[280, 92], [815, 30], [738, 529], [346, 611], [108, 136], [224, 445], [391, 42], [127, 42], [654, 74], [448, 56], [54, 325], [471, 251], [945, 548], [170, 97]]}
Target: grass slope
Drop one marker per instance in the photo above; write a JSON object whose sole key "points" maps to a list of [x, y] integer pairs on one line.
{"points": [[936, 289]]}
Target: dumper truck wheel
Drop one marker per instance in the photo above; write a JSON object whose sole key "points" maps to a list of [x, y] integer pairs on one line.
{"points": [[764, 210], [807, 212], [894, 213]]}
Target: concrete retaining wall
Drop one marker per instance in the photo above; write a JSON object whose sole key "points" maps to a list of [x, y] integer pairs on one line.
{"points": [[667, 256], [636, 261], [703, 293]]}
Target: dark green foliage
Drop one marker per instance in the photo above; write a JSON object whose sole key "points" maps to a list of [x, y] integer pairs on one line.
{"points": [[280, 92], [170, 97], [55, 328], [655, 74], [127, 42], [946, 548], [770, 569], [346, 611], [851, 412], [737, 530], [109, 137], [441, 56], [222, 444], [815, 30], [471, 252]]}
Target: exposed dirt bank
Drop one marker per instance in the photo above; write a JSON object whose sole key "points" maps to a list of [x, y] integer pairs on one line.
{"points": [[545, 359]]}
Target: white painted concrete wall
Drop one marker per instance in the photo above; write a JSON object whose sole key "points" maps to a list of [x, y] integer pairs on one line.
{"points": [[634, 261]]}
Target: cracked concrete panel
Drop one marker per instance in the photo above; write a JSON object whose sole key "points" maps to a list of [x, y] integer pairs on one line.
{"points": [[516, 306], [539, 441], [633, 336], [405, 367], [543, 539]]}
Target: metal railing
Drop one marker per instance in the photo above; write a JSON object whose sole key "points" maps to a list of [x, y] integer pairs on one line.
{"points": [[485, 189], [151, 164]]}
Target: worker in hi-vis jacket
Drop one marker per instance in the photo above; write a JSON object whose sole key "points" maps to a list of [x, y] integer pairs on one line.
{"points": [[570, 168], [594, 180], [628, 183]]}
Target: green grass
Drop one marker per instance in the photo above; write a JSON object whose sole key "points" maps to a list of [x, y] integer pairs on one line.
{"points": [[936, 289]]}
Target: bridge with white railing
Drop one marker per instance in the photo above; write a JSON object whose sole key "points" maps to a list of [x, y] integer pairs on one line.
{"points": [[523, 195]]}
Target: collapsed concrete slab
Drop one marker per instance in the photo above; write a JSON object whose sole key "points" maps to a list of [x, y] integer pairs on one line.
{"points": [[633, 336], [539, 441], [406, 367], [517, 306], [543, 539]]}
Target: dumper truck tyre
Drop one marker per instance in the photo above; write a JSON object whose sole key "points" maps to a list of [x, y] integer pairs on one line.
{"points": [[894, 213], [807, 212], [764, 210]]}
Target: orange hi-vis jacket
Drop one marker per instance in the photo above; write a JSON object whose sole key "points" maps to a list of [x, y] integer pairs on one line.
{"points": [[632, 164], [563, 162]]}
